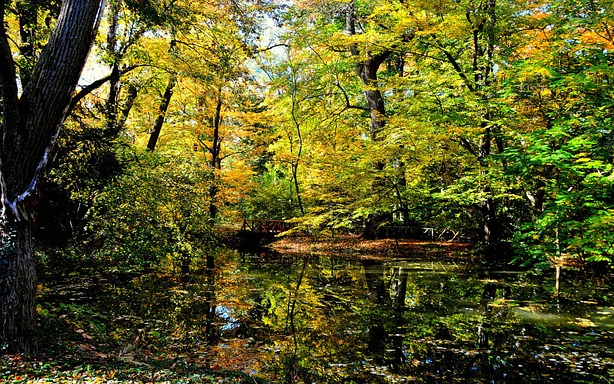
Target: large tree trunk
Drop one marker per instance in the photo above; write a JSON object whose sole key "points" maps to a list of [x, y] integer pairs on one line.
{"points": [[29, 127], [17, 285], [366, 70]]}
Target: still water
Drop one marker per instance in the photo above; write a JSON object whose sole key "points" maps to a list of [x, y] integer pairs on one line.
{"points": [[320, 319]]}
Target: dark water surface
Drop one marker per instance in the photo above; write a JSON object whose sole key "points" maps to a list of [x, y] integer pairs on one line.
{"points": [[320, 319], [331, 319]]}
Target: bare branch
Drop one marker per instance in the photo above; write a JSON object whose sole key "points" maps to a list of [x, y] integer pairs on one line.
{"points": [[95, 85], [347, 100], [456, 67], [265, 49], [468, 145], [202, 144]]}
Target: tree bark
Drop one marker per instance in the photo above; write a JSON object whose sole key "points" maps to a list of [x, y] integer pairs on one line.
{"points": [[215, 162], [17, 285], [28, 131], [366, 69], [157, 128]]}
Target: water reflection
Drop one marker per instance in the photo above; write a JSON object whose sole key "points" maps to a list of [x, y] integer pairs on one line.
{"points": [[296, 319]]}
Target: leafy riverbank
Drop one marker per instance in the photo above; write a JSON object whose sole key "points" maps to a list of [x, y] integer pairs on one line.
{"points": [[356, 246]]}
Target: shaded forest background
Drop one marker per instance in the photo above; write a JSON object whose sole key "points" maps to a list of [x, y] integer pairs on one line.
{"points": [[490, 118]]}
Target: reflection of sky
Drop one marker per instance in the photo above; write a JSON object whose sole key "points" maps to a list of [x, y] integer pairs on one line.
{"points": [[225, 314]]}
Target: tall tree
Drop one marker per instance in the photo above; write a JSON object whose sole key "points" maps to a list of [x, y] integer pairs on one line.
{"points": [[457, 57], [561, 86], [356, 47], [213, 57], [368, 61], [29, 126]]}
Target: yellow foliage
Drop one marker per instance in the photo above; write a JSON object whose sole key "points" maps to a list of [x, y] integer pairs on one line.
{"points": [[596, 39]]}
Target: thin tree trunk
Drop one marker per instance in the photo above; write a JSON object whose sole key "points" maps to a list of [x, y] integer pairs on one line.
{"points": [[166, 100], [477, 81], [215, 162], [296, 161], [27, 31], [157, 128], [114, 85], [133, 92], [299, 200]]}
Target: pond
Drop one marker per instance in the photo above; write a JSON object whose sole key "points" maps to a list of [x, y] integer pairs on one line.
{"points": [[325, 319], [333, 319]]}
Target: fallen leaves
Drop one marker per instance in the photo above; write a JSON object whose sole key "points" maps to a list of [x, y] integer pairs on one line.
{"points": [[351, 245]]}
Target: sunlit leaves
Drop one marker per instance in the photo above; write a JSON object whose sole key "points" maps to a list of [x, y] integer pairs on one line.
{"points": [[562, 97], [495, 111]]}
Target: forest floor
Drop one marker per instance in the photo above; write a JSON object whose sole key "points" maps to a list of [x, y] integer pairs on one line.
{"points": [[356, 246]]}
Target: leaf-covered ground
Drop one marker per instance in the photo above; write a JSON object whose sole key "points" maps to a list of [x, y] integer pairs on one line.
{"points": [[382, 248], [78, 368], [88, 334]]}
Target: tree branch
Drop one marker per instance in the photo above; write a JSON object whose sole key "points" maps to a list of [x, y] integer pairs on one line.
{"points": [[347, 100], [456, 67], [468, 145], [95, 85], [202, 144], [270, 47]]}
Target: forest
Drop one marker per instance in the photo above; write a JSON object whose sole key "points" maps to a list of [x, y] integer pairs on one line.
{"points": [[139, 136]]}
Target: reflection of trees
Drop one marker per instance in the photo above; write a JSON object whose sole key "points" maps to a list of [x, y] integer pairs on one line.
{"points": [[333, 320], [374, 273], [314, 309], [209, 301], [195, 305], [489, 294], [386, 332], [474, 335], [416, 321], [291, 369]]}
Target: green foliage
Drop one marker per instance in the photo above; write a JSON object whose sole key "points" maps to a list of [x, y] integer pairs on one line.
{"points": [[156, 212], [565, 163], [273, 198], [496, 121]]}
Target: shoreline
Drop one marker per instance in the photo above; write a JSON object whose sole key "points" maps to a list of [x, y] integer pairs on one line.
{"points": [[356, 246]]}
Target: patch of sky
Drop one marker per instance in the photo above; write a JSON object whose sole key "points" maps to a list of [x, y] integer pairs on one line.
{"points": [[226, 314]]}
